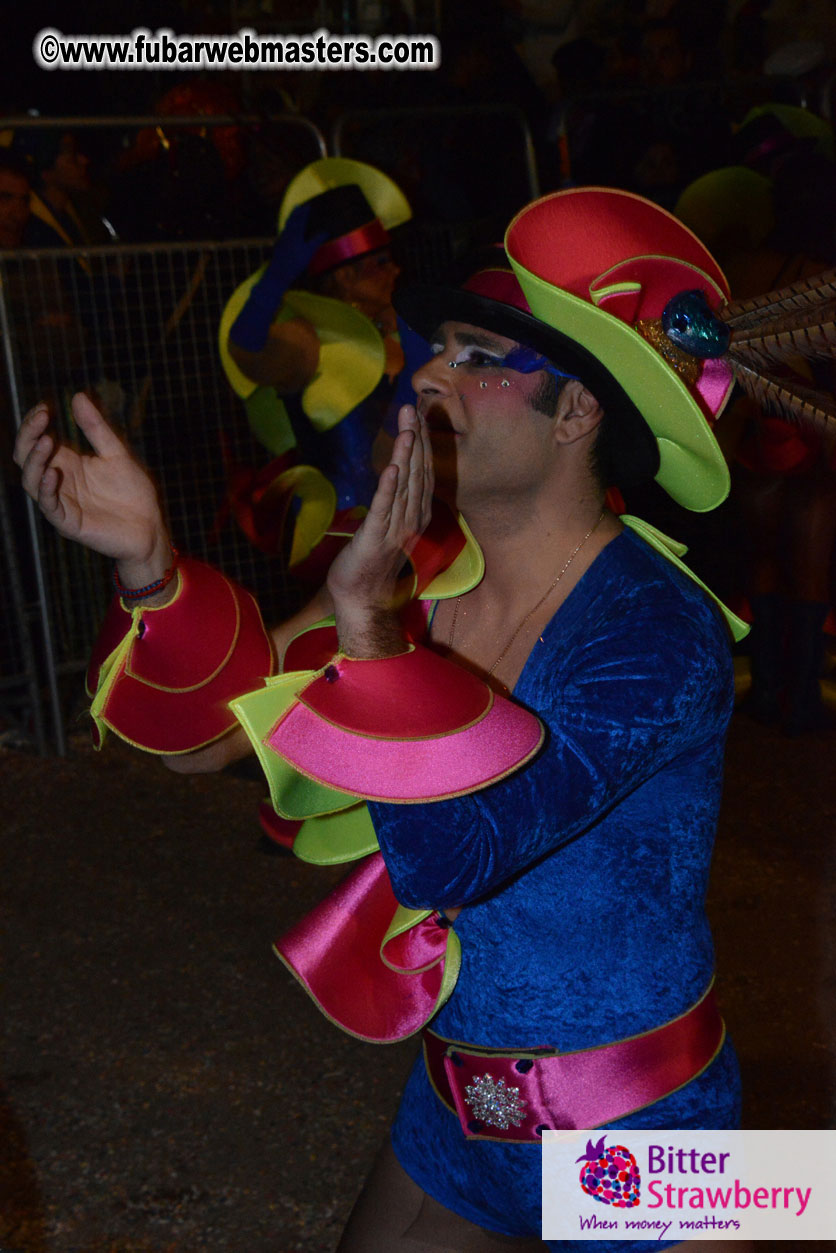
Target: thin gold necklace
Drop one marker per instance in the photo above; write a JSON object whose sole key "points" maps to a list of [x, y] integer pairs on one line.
{"points": [[573, 554]]}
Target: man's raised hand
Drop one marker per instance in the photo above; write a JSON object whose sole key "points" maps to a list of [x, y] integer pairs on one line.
{"points": [[363, 580], [104, 499]]}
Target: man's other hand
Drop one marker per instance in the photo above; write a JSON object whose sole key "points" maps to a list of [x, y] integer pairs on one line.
{"points": [[104, 500]]}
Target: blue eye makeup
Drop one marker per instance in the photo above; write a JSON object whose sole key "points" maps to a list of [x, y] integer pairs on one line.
{"points": [[527, 361], [478, 358]]}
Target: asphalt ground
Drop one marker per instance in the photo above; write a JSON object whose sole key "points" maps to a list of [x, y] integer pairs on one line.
{"points": [[166, 1086]]}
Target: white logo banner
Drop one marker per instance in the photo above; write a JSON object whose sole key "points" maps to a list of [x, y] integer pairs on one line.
{"points": [[689, 1185]]}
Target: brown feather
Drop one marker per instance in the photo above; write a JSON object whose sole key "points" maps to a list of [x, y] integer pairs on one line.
{"points": [[774, 343], [789, 398], [809, 292], [810, 316]]}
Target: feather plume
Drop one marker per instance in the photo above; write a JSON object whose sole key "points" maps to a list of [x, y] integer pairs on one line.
{"points": [[805, 293], [769, 331], [797, 319], [790, 398], [782, 341]]}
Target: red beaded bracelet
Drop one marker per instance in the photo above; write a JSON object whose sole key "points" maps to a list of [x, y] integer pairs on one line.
{"points": [[136, 593]]}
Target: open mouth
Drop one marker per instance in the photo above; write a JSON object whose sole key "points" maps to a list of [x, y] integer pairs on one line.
{"points": [[438, 422]]}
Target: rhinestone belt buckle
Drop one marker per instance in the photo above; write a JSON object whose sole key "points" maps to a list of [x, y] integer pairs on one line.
{"points": [[497, 1096], [494, 1103]]}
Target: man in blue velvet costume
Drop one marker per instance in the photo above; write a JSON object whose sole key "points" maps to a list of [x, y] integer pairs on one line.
{"points": [[576, 885]]}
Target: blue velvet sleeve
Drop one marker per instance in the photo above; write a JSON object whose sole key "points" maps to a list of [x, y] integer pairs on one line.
{"points": [[625, 685]]}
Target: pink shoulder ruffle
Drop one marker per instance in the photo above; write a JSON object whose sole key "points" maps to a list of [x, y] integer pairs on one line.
{"points": [[410, 728]]}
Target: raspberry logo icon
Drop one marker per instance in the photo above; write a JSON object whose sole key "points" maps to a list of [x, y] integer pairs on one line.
{"points": [[610, 1174]]}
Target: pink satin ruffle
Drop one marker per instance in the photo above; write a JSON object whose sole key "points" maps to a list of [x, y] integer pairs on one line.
{"points": [[335, 952]]}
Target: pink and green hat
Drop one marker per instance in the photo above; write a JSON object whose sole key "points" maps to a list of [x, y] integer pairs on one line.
{"points": [[608, 269]]}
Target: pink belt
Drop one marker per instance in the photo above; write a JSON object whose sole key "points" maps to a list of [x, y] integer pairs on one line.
{"points": [[499, 1095]]}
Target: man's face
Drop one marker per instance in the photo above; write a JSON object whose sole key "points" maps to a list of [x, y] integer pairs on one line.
{"points": [[367, 282], [71, 168], [488, 437], [14, 208]]}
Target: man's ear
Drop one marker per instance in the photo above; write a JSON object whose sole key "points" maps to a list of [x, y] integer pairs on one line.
{"points": [[578, 413]]}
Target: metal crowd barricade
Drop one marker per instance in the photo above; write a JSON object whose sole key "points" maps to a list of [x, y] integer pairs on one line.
{"points": [[153, 365], [303, 126], [148, 353], [137, 326], [185, 121], [180, 176], [20, 697]]}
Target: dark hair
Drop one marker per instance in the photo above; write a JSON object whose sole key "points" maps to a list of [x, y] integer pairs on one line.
{"points": [[625, 454], [601, 455], [618, 457], [545, 400], [547, 395]]}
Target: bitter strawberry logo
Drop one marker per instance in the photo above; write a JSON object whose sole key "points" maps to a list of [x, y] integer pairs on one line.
{"points": [[610, 1175]]}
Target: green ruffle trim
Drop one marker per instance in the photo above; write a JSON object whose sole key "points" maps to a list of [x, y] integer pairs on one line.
{"points": [[673, 551]]}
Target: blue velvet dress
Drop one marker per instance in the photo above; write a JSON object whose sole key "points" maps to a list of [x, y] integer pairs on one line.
{"points": [[584, 874]]}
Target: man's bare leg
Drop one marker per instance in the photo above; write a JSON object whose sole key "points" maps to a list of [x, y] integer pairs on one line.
{"points": [[394, 1215]]}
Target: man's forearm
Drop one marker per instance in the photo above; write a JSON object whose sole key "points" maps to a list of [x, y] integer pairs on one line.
{"points": [[135, 573], [215, 756], [369, 633]]}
